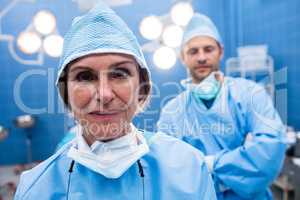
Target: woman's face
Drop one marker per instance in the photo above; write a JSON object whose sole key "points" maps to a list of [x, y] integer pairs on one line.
{"points": [[103, 92]]}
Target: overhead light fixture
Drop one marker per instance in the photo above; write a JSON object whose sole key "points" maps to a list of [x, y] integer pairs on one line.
{"points": [[166, 33], [29, 42], [42, 31], [53, 45], [25, 121], [151, 27], [172, 36], [44, 22], [164, 57], [181, 13]]}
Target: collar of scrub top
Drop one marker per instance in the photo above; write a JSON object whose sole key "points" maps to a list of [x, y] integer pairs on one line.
{"points": [[220, 97], [81, 144], [133, 139], [98, 146]]}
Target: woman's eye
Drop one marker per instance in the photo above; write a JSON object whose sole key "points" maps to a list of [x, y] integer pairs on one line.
{"points": [[120, 74], [85, 76]]}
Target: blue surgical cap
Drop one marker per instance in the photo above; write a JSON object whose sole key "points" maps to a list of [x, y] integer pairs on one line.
{"points": [[201, 25], [101, 30]]}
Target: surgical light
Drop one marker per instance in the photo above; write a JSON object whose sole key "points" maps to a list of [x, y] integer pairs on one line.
{"points": [[29, 42], [25, 121], [151, 27], [172, 36], [164, 57], [44, 22], [53, 45], [181, 13]]}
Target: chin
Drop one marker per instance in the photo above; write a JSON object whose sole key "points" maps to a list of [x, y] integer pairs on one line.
{"points": [[109, 134], [106, 130], [202, 76]]}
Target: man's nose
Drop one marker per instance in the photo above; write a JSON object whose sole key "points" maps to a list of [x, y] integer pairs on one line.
{"points": [[201, 58]]}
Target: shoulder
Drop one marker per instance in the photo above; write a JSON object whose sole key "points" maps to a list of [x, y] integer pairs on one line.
{"points": [[171, 160], [241, 83], [168, 149], [34, 176], [244, 90], [177, 103]]}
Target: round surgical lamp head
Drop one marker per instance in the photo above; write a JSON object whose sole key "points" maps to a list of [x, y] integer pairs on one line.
{"points": [[25, 121], [53, 45], [29, 42], [181, 13], [44, 22], [151, 27], [172, 36], [164, 57], [3, 133]]}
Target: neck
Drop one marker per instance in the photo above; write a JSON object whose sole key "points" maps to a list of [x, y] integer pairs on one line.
{"points": [[219, 77], [196, 80]]}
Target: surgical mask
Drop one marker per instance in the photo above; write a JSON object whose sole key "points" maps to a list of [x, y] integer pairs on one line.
{"points": [[207, 89], [111, 159]]}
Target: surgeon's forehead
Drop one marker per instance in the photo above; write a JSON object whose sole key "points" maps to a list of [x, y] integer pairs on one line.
{"points": [[103, 59], [200, 41]]}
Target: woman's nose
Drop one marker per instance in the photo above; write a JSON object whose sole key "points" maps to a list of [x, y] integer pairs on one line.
{"points": [[105, 93]]}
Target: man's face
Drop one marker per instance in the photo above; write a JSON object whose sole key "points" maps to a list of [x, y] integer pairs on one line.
{"points": [[201, 55]]}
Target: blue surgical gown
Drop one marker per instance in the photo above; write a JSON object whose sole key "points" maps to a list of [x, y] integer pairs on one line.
{"points": [[173, 170], [241, 169]]}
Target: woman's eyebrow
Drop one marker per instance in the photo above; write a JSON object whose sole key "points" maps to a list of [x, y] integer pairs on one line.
{"points": [[114, 65], [117, 64], [80, 68]]}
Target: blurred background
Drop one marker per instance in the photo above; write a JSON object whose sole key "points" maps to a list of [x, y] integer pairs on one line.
{"points": [[261, 39]]}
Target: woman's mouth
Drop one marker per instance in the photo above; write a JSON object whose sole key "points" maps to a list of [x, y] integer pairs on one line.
{"points": [[103, 116]]}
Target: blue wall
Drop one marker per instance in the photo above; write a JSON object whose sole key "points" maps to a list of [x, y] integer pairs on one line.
{"points": [[36, 90], [277, 24]]}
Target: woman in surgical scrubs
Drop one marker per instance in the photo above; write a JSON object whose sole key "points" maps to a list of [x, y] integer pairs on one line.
{"points": [[104, 81]]}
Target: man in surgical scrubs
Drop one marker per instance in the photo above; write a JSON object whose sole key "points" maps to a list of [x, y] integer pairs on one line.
{"points": [[104, 82], [216, 113]]}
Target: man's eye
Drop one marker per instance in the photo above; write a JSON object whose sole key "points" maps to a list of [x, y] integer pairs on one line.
{"points": [[85, 76], [119, 74], [192, 51], [209, 49]]}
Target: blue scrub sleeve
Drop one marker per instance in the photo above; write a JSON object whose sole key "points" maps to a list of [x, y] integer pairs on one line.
{"points": [[249, 169]]}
